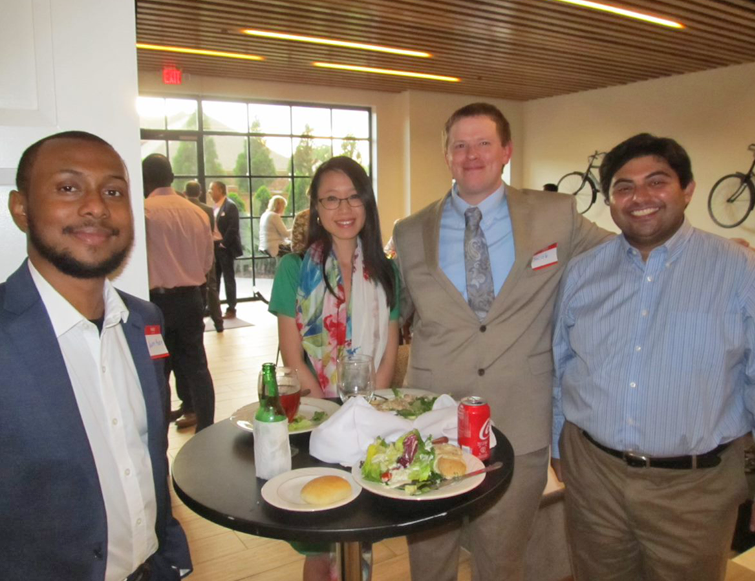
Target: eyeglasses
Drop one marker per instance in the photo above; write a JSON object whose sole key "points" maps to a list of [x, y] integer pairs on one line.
{"points": [[334, 202]]}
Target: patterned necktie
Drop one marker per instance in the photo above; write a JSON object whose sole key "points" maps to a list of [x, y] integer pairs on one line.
{"points": [[480, 291]]}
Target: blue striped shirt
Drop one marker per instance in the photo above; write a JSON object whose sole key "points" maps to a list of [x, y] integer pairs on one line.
{"points": [[657, 357], [496, 225]]}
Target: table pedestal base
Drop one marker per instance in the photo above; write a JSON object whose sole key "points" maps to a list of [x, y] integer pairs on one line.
{"points": [[349, 559]]}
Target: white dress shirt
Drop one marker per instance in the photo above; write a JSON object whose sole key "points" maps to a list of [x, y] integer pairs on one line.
{"points": [[111, 404]]}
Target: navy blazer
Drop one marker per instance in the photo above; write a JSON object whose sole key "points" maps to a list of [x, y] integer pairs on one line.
{"points": [[228, 226], [52, 514]]}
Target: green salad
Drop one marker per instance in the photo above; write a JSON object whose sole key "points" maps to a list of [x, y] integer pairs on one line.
{"points": [[302, 423], [409, 462]]}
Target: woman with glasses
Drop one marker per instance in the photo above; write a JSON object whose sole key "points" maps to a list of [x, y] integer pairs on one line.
{"points": [[342, 293]]}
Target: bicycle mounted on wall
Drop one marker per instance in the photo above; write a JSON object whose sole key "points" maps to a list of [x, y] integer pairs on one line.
{"points": [[732, 197], [583, 185]]}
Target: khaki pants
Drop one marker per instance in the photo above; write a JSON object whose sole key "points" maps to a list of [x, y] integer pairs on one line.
{"points": [[648, 524], [497, 538]]}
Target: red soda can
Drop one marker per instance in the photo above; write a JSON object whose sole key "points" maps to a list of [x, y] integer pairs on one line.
{"points": [[474, 426]]}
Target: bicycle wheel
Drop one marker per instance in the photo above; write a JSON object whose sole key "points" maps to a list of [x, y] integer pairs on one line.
{"points": [[731, 200], [577, 184]]}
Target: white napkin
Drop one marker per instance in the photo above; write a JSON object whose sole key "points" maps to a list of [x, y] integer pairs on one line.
{"points": [[345, 436]]}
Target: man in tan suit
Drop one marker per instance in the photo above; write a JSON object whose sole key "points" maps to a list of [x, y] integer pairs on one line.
{"points": [[500, 347]]}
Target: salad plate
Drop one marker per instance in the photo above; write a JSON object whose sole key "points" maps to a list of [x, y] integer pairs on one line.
{"points": [[406, 402], [284, 491], [309, 406], [473, 463]]}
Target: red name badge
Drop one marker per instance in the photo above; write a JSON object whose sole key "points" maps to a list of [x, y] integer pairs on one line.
{"points": [[546, 257], [155, 343]]}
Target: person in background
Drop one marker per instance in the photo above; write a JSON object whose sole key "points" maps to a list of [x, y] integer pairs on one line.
{"points": [[179, 252], [550, 188], [274, 236], [654, 373], [210, 291], [227, 243], [299, 233], [480, 269], [84, 488]]}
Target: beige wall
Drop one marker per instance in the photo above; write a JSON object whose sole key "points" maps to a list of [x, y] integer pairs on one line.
{"points": [[410, 168], [712, 114]]}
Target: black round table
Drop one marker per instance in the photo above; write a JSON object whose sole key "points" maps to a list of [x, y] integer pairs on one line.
{"points": [[213, 474]]}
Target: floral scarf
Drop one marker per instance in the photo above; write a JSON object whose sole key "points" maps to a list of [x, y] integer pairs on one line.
{"points": [[328, 326]]}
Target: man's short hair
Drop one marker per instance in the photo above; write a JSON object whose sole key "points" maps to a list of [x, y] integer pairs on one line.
{"points": [[222, 187], [156, 171], [28, 157], [478, 110], [193, 189], [641, 145]]}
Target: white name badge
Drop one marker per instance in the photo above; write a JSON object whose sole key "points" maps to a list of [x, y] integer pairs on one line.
{"points": [[155, 343], [546, 257]]}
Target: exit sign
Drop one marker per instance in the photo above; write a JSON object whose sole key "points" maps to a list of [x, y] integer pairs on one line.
{"points": [[171, 76]]}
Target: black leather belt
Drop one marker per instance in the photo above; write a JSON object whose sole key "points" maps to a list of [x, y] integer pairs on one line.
{"points": [[176, 290], [707, 460], [143, 572]]}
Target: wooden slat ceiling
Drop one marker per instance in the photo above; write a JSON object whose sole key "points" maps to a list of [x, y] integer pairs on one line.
{"points": [[510, 49]]}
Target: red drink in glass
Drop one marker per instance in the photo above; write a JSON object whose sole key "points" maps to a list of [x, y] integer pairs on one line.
{"points": [[290, 403]]}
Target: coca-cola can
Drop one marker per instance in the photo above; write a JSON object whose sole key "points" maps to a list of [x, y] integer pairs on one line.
{"points": [[474, 426]]}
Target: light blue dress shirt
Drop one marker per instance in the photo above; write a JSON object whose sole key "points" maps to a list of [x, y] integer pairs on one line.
{"points": [[657, 357], [495, 224]]}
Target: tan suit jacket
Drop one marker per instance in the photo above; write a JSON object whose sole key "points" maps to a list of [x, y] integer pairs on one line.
{"points": [[506, 358]]}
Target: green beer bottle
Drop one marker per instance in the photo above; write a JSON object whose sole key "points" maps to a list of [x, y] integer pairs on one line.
{"points": [[270, 409]]}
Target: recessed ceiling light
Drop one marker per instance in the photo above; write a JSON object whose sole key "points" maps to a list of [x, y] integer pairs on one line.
{"points": [[334, 42], [625, 12], [387, 72], [199, 51]]}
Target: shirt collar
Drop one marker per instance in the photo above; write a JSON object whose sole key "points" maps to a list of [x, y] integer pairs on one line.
{"points": [[166, 191], [489, 204], [64, 316], [672, 247]]}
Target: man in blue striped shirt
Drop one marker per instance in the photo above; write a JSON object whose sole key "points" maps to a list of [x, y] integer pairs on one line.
{"points": [[654, 370]]}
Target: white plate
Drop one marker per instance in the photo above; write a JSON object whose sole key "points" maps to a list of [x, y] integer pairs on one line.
{"points": [[284, 490], [244, 417], [473, 463]]}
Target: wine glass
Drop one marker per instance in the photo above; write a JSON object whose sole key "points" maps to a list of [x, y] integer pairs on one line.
{"points": [[289, 392], [356, 376]]}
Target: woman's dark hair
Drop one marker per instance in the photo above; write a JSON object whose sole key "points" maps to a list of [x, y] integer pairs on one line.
{"points": [[376, 264], [641, 145]]}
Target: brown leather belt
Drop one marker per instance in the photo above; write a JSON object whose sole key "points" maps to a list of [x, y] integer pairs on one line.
{"points": [[707, 460], [143, 572]]}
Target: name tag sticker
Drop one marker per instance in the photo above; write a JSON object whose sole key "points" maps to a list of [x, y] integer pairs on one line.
{"points": [[546, 257], [155, 343]]}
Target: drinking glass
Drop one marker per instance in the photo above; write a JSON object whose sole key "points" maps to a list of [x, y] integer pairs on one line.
{"points": [[289, 390], [356, 376]]}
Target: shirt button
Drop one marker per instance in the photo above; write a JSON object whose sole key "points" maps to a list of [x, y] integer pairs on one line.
{"points": [[104, 369], [638, 348], [127, 472], [630, 421], [138, 521], [633, 385], [115, 421], [480, 372], [644, 312], [650, 279], [483, 328]]}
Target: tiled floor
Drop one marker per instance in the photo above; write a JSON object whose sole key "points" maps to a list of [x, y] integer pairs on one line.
{"points": [[219, 554]]}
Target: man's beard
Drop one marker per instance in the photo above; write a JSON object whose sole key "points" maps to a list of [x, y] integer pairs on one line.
{"points": [[67, 264]]}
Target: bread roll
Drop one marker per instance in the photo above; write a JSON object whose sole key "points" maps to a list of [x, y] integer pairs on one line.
{"points": [[447, 450], [325, 490], [450, 467]]}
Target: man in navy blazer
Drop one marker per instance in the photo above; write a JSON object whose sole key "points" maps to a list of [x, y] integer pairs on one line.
{"points": [[83, 439], [227, 242]]}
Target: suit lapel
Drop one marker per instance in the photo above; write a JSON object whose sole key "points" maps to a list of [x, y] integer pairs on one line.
{"points": [[431, 238]]}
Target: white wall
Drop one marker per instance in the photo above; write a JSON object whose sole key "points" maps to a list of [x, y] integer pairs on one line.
{"points": [[69, 64], [411, 170], [711, 114]]}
